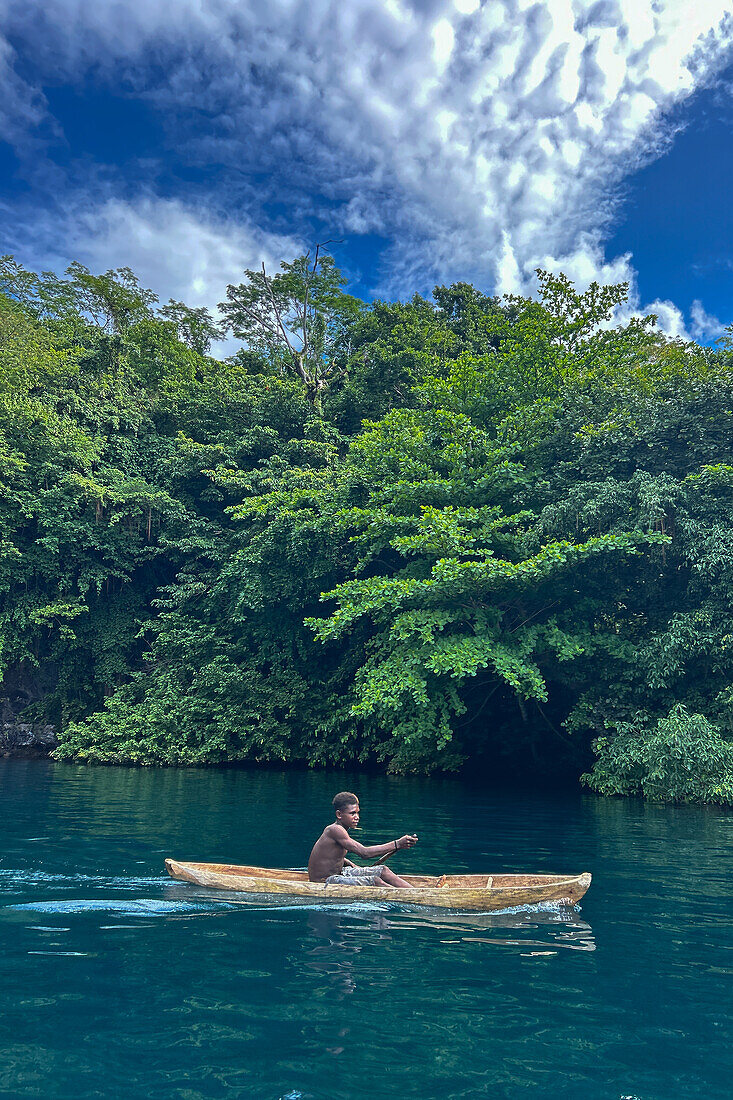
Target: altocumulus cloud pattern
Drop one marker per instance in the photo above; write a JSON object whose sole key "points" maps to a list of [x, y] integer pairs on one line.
{"points": [[477, 140]]}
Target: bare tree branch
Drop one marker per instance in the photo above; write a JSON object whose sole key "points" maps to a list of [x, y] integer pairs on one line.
{"points": [[283, 330], [305, 302], [258, 320]]}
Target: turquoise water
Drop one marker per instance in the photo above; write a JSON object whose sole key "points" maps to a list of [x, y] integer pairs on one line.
{"points": [[117, 982]]}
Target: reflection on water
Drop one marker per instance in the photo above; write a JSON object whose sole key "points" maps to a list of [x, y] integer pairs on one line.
{"points": [[112, 972], [518, 928], [534, 931]]}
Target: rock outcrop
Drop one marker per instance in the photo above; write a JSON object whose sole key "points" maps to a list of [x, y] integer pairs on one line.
{"points": [[27, 739]]}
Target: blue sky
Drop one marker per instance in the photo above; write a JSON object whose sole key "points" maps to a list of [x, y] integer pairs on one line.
{"points": [[435, 140]]}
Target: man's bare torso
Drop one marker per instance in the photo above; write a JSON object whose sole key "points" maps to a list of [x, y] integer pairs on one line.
{"points": [[327, 857]]}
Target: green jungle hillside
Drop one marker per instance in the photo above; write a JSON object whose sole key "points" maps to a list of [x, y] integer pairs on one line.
{"points": [[423, 535]]}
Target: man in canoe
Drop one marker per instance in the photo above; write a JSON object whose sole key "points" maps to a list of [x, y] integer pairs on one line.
{"points": [[328, 861]]}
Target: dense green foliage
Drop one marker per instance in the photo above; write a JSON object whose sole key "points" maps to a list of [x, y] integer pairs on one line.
{"points": [[422, 534]]}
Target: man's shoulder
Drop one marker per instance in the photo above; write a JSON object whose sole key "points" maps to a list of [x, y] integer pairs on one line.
{"points": [[334, 831]]}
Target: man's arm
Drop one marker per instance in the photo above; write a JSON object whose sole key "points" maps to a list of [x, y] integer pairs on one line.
{"points": [[340, 835]]}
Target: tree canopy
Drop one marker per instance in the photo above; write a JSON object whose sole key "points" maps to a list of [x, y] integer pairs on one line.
{"points": [[422, 535]]}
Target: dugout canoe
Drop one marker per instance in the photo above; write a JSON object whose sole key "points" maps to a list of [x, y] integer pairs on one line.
{"points": [[481, 893]]}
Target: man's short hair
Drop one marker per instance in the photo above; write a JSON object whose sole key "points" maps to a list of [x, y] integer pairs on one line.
{"points": [[344, 799]]}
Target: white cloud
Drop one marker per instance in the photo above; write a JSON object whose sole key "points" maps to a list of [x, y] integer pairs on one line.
{"points": [[509, 278], [178, 251], [484, 139], [669, 319], [703, 325], [22, 107], [443, 42]]}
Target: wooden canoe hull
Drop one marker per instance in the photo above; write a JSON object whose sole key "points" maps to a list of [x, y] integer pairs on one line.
{"points": [[481, 893]]}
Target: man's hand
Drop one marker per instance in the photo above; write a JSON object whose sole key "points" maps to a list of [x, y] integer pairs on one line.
{"points": [[408, 841]]}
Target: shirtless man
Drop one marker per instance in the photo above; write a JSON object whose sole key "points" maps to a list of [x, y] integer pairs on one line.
{"points": [[327, 861]]}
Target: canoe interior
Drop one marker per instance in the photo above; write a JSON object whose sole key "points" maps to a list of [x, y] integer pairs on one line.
{"points": [[460, 882]]}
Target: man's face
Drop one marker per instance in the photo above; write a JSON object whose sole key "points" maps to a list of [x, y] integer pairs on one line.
{"points": [[349, 816]]}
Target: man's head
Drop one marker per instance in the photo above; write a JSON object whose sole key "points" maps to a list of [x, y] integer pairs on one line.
{"points": [[346, 806]]}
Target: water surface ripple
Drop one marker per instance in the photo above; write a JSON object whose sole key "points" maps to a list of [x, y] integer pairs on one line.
{"points": [[118, 982]]}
